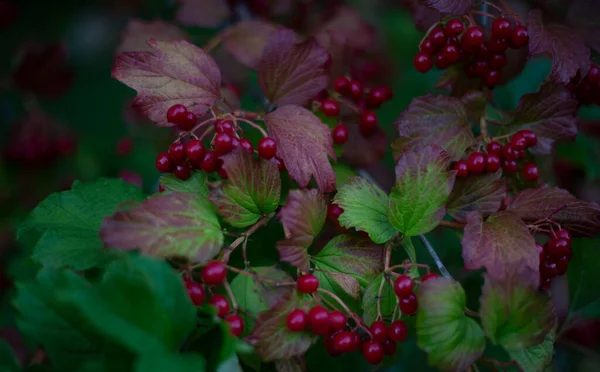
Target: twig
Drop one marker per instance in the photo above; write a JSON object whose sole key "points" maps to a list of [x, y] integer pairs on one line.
{"points": [[357, 320], [435, 257], [234, 304], [471, 312], [452, 224], [379, 294], [241, 239], [405, 266], [256, 126], [213, 43]]}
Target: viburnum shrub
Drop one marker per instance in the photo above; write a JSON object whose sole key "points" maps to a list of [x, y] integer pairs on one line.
{"points": [[258, 250]]}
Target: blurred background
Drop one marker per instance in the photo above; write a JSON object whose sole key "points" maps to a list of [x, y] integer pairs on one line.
{"points": [[62, 116]]}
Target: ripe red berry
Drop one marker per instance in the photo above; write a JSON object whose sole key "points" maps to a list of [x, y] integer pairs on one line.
{"points": [[194, 150], [224, 126], [236, 324], [340, 134], [593, 75], [472, 39], [246, 145], [222, 173], [429, 276], [223, 143], [189, 121], [307, 283], [330, 107], [378, 95], [334, 211], [267, 148], [558, 247], [492, 78], [214, 273], [497, 60], [408, 305], [163, 163], [389, 347], [195, 291], [426, 47], [520, 36], [403, 286], [161, 188], [562, 264], [318, 319], [209, 162], [355, 90], [373, 352], [508, 152], [451, 53], [422, 62], [337, 320], [176, 114], [462, 169], [220, 303], [549, 268], [344, 342], [501, 28], [398, 331], [564, 234], [476, 162], [341, 85], [177, 152], [441, 62], [529, 136], [497, 45], [530, 171], [509, 166], [480, 68], [182, 171], [493, 163], [437, 36], [296, 320], [357, 341], [379, 331], [454, 27], [494, 148], [518, 142], [368, 123]]}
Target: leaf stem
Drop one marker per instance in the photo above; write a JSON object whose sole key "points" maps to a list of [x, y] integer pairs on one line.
{"points": [[230, 295], [435, 257], [405, 266], [244, 237], [379, 294], [484, 130], [198, 126], [452, 224], [213, 43], [359, 322], [256, 126]]}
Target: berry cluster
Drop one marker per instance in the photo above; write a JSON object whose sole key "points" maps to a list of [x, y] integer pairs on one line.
{"points": [[588, 90], [214, 274], [445, 46], [554, 257], [504, 157]]}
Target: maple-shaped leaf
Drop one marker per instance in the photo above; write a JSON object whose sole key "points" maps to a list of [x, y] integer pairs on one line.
{"points": [[452, 340], [583, 16], [274, 340], [252, 189], [514, 315], [503, 245], [581, 218], [291, 73], [456, 7], [423, 183], [537, 357], [302, 217], [365, 209], [482, 193], [246, 40], [304, 143], [175, 72], [551, 113], [568, 49], [175, 224], [203, 13], [434, 119], [137, 32]]}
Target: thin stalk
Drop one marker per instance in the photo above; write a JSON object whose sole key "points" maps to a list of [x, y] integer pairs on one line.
{"points": [[234, 304], [452, 224], [435, 257]]}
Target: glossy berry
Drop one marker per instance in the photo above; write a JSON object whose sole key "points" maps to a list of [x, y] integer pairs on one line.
{"points": [[195, 291], [246, 145], [440, 62], [480, 68], [492, 78], [357, 341], [340, 134], [518, 142], [529, 136], [163, 163], [558, 247], [224, 126], [334, 211], [493, 163], [549, 268], [223, 143], [403, 286], [451, 53], [398, 331], [454, 27], [189, 122], [194, 150], [296, 320], [344, 342], [508, 152], [472, 39], [328, 342], [426, 47], [379, 331], [501, 28], [497, 45], [497, 60], [510, 166], [220, 303], [429, 276], [476, 162], [161, 188], [355, 90], [267, 148], [368, 123], [437, 36], [520, 36], [330, 107], [318, 319], [235, 323], [373, 352], [307, 283], [564, 234], [494, 148], [177, 152], [341, 85], [530, 171], [337, 320], [214, 273], [423, 62], [182, 171], [389, 347], [209, 162], [593, 75], [408, 305], [222, 173], [378, 95], [461, 168], [176, 114], [562, 264]]}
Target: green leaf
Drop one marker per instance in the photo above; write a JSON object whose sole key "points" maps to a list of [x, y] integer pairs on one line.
{"points": [[69, 222], [536, 358], [196, 184], [369, 302], [515, 315], [170, 362], [253, 189], [584, 273], [8, 360], [176, 224], [423, 184], [365, 208], [452, 340]]}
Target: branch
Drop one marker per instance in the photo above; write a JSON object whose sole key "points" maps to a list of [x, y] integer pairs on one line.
{"points": [[452, 224], [234, 304], [435, 257], [263, 221]]}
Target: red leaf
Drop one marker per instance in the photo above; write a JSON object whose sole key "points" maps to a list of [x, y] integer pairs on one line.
{"points": [[483, 194], [203, 13], [568, 50], [303, 142], [456, 7], [138, 32], [503, 245], [290, 72], [247, 40], [175, 72], [302, 218], [578, 216]]}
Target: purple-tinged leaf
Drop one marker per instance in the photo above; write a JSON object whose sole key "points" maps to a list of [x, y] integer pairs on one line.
{"points": [[503, 245], [296, 364], [423, 16], [302, 218], [475, 102], [167, 225], [203, 13], [246, 40], [483, 194], [349, 25], [583, 16], [581, 218], [456, 7], [434, 119], [551, 113], [568, 50], [176, 72], [252, 189], [292, 73], [138, 32], [304, 143]]}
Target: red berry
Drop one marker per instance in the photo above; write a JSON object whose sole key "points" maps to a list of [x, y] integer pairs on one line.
{"points": [[194, 150], [483, 53], [509, 166], [541, 251], [451, 53], [422, 62], [408, 304], [223, 143], [307, 283], [403, 286], [476, 162], [492, 78], [398, 331], [549, 268], [379, 331], [355, 90], [357, 341], [377, 96], [429, 276], [344, 342], [562, 264], [176, 114], [209, 162], [480, 68], [221, 304], [222, 173], [427, 47], [163, 163], [530, 171], [454, 27], [497, 45], [296, 320], [182, 171], [373, 352], [280, 163], [494, 148], [437, 36], [441, 62], [337, 320], [334, 211], [267, 148], [245, 144], [564, 234], [340, 134], [558, 247], [453, 40], [368, 123], [472, 39], [501, 28], [497, 60], [177, 152], [493, 163], [195, 291], [593, 75], [341, 85], [236, 324], [189, 122], [224, 126], [529, 136], [508, 152], [328, 342], [161, 188], [520, 36], [518, 142], [389, 347], [318, 319], [214, 273], [462, 169], [545, 283], [330, 107]]}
